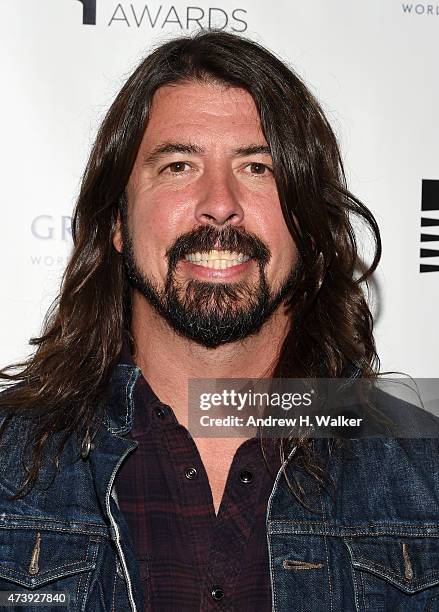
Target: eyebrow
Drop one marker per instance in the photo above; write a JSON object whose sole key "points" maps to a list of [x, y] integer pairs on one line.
{"points": [[171, 147], [253, 149], [191, 149]]}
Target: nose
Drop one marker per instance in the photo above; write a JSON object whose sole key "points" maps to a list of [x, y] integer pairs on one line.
{"points": [[218, 202]]}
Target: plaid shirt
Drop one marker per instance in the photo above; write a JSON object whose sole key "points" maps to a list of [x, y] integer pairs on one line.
{"points": [[191, 559]]}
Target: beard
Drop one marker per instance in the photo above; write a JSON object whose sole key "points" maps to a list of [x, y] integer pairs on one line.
{"points": [[210, 313]]}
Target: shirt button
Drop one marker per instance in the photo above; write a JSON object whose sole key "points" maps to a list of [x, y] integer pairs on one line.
{"points": [[246, 476], [190, 473], [217, 593], [160, 412]]}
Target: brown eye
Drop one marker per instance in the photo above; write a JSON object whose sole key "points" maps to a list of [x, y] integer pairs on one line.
{"points": [[177, 166], [256, 168]]}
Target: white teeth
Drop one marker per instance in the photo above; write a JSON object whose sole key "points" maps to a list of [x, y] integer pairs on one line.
{"points": [[218, 264], [217, 259]]}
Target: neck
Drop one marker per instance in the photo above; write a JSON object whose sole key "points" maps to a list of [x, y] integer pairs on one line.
{"points": [[168, 360]]}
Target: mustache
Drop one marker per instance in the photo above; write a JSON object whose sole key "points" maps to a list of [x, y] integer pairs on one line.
{"points": [[208, 238]]}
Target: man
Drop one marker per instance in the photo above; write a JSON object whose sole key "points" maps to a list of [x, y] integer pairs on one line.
{"points": [[212, 240]]}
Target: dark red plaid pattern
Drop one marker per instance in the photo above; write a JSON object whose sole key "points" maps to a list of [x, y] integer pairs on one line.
{"points": [[190, 559]]}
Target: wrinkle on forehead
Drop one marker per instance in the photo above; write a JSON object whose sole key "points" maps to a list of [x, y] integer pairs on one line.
{"points": [[191, 101]]}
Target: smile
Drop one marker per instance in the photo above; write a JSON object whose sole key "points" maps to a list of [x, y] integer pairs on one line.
{"points": [[217, 260]]}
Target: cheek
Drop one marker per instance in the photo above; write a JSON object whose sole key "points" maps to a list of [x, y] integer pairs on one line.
{"points": [[160, 208], [285, 257], [157, 220], [276, 234]]}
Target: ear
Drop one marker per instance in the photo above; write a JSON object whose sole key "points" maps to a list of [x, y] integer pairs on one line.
{"points": [[117, 234]]}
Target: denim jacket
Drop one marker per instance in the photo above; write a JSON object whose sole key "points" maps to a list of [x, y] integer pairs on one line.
{"points": [[370, 544]]}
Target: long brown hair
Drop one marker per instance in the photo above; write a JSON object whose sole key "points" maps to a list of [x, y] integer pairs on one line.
{"points": [[65, 380]]}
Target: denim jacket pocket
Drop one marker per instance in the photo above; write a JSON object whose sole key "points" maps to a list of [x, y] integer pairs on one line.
{"points": [[35, 560], [395, 572]]}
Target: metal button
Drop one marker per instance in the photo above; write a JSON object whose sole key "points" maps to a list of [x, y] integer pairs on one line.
{"points": [[246, 476], [190, 473], [160, 412], [217, 593]]}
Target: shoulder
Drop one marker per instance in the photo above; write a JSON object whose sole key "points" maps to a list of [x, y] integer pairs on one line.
{"points": [[20, 441], [386, 409], [397, 438], [398, 431], [412, 418]]}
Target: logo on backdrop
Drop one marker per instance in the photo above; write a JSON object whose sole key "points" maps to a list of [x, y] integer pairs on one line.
{"points": [[420, 8], [430, 224], [88, 12], [53, 232], [48, 227], [160, 16]]}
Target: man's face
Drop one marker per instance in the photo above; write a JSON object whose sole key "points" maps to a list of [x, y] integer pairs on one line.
{"points": [[204, 239]]}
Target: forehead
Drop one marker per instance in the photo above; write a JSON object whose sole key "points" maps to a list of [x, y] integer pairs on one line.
{"points": [[212, 109]]}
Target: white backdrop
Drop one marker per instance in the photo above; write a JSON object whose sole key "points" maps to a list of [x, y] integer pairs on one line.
{"points": [[371, 64]]}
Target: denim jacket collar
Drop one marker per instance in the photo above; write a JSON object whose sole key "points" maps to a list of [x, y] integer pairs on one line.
{"points": [[120, 402]]}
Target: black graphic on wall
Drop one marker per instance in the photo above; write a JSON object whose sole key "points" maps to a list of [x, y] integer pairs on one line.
{"points": [[88, 12], [430, 223]]}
